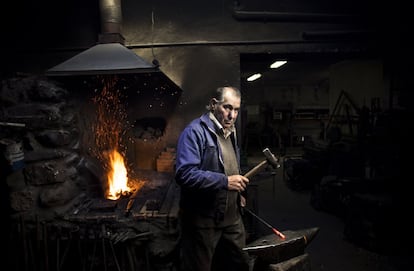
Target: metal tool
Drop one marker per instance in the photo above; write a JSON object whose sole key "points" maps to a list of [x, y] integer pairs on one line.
{"points": [[278, 233], [273, 161], [270, 160]]}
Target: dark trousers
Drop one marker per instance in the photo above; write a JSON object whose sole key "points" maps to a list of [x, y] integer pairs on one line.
{"points": [[213, 248]]}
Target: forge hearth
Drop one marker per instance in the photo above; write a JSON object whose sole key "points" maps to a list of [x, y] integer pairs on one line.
{"points": [[157, 198], [59, 216]]}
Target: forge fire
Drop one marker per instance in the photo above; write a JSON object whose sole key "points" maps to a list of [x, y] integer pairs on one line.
{"points": [[109, 127]]}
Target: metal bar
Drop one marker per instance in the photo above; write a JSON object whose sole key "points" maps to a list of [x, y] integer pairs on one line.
{"points": [[278, 233], [14, 124]]}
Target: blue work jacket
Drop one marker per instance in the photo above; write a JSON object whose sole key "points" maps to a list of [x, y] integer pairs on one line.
{"points": [[200, 169]]}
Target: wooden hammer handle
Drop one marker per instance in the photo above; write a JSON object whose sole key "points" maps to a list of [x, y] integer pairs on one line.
{"points": [[256, 169]]}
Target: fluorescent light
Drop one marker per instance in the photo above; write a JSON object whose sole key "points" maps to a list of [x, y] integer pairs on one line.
{"points": [[254, 77], [278, 63]]}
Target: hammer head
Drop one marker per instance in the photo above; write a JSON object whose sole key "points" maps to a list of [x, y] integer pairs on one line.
{"points": [[271, 159]]}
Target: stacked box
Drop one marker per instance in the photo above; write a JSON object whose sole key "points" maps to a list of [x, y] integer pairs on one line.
{"points": [[166, 160]]}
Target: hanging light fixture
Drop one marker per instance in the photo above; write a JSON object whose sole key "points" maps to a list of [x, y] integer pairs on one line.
{"points": [[254, 77], [278, 64]]}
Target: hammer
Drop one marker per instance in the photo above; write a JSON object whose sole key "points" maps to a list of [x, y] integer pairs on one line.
{"points": [[270, 160], [273, 161]]}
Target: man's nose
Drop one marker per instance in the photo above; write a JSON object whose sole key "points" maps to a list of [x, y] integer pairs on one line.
{"points": [[232, 114]]}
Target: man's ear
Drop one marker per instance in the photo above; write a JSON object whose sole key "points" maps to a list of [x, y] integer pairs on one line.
{"points": [[213, 103]]}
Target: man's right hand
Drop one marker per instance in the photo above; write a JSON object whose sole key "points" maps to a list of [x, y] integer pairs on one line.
{"points": [[237, 183]]}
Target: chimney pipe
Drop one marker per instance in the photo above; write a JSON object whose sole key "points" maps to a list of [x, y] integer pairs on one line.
{"points": [[111, 22]]}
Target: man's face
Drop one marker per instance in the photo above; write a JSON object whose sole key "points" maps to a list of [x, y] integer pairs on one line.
{"points": [[226, 112]]}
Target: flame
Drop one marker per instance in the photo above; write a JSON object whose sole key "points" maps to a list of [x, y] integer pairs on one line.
{"points": [[117, 176], [109, 130]]}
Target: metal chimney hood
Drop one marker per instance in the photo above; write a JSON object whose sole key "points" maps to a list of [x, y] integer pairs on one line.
{"points": [[108, 58]]}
